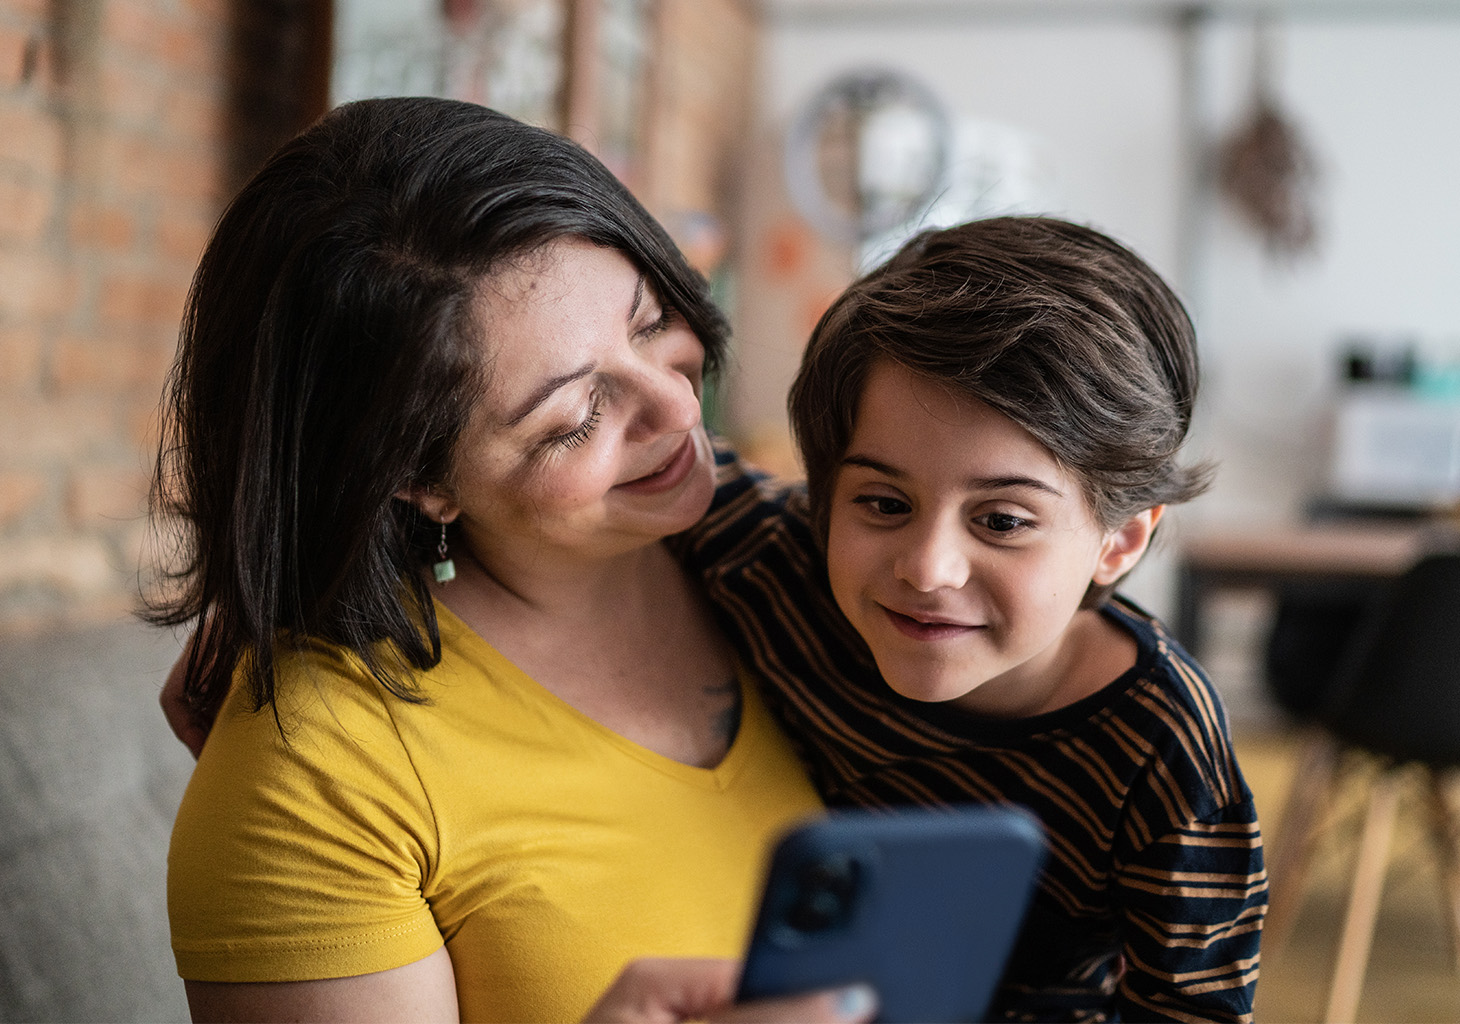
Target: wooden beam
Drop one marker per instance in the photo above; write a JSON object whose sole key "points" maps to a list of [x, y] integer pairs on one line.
{"points": [[582, 94]]}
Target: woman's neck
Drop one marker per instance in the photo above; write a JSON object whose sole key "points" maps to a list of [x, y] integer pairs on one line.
{"points": [[629, 642], [586, 590]]}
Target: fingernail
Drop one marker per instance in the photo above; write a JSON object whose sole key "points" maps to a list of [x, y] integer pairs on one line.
{"points": [[856, 1002]]}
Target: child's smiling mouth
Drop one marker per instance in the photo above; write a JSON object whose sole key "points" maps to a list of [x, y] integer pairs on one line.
{"points": [[927, 627]]}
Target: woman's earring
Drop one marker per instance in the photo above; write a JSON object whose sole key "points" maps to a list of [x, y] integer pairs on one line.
{"points": [[445, 568]]}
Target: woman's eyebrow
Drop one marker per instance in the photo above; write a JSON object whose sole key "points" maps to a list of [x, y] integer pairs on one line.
{"points": [[543, 393], [638, 296]]}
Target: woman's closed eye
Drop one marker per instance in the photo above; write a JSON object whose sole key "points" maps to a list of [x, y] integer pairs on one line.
{"points": [[578, 435], [656, 324]]}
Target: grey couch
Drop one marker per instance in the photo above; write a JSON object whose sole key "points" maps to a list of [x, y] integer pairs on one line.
{"points": [[90, 779]]}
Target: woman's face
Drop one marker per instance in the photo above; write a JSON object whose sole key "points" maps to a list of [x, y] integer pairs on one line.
{"points": [[587, 441]]}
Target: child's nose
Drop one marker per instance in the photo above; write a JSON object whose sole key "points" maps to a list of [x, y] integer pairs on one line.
{"points": [[934, 559]]}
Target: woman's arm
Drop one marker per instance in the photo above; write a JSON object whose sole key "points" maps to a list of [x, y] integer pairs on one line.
{"points": [[422, 991], [657, 991]]}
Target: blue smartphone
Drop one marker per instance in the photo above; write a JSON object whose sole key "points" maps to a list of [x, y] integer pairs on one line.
{"points": [[922, 904]]}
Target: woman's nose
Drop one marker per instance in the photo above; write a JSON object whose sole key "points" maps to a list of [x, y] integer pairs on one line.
{"points": [[669, 402], [933, 558]]}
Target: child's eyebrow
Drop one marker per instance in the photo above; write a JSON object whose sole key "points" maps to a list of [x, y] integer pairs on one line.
{"points": [[1002, 482], [992, 483], [867, 462]]}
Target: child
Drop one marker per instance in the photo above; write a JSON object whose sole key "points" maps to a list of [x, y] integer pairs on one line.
{"points": [[990, 424]]}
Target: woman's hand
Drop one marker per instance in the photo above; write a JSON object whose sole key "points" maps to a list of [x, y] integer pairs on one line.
{"points": [[185, 725], [670, 990]]}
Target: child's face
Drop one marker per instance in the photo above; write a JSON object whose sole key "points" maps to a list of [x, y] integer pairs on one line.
{"points": [[960, 550]]}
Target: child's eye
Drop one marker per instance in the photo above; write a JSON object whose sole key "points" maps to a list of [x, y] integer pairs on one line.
{"points": [[579, 434], [1002, 522], [881, 505]]}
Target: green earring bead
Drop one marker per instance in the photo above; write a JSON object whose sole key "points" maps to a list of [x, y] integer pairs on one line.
{"points": [[445, 569]]}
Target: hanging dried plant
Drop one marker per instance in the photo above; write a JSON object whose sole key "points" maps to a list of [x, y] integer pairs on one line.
{"points": [[1267, 171]]}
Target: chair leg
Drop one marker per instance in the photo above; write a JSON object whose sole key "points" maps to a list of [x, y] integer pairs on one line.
{"points": [[1363, 908], [1443, 822], [1291, 849]]}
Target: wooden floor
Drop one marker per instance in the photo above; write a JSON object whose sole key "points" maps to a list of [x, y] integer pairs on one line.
{"points": [[1411, 977]]}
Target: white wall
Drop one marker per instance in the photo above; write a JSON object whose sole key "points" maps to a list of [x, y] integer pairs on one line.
{"points": [[1378, 97], [1099, 99], [1380, 105]]}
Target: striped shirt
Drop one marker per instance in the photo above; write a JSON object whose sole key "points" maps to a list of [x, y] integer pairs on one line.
{"points": [[1151, 901]]}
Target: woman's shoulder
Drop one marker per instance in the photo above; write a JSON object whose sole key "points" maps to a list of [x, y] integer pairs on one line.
{"points": [[317, 686], [327, 746], [332, 703], [295, 810]]}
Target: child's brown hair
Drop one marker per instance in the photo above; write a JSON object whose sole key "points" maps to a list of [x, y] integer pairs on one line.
{"points": [[1057, 326]]}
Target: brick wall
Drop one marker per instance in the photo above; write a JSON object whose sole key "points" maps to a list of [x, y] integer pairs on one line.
{"points": [[111, 167]]}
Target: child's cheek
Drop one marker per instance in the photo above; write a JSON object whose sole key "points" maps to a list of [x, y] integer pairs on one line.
{"points": [[843, 556]]}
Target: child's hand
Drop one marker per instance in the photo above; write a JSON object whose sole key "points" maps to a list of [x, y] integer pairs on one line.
{"points": [[665, 990], [185, 725]]}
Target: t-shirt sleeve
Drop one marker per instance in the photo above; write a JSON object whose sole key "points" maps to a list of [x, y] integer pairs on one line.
{"points": [[306, 854], [1194, 901]]}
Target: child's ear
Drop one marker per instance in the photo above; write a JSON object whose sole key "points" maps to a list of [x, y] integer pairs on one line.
{"points": [[434, 504], [1125, 545]]}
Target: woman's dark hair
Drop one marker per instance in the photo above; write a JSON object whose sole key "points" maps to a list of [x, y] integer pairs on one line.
{"points": [[330, 356], [1060, 328]]}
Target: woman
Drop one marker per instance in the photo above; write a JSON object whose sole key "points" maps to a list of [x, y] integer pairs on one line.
{"points": [[435, 408]]}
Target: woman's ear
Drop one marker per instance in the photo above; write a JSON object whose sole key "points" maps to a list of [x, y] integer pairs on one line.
{"points": [[434, 503], [1124, 546]]}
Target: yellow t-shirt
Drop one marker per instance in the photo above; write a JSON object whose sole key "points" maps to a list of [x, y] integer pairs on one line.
{"points": [[546, 850]]}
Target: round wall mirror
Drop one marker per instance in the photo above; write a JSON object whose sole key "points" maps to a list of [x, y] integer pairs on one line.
{"points": [[867, 154]]}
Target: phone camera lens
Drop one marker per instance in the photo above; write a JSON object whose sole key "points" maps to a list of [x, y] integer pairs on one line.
{"points": [[824, 895], [815, 911]]}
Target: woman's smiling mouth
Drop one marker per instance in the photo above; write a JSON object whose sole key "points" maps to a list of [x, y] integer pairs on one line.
{"points": [[667, 476]]}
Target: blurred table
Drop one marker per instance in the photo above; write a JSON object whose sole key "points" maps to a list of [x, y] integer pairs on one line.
{"points": [[1326, 557]]}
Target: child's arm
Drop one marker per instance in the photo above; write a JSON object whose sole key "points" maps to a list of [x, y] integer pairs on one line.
{"points": [[1193, 902], [747, 501]]}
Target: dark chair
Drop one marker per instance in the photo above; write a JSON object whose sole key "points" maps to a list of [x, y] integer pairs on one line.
{"points": [[1391, 717], [1310, 627]]}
